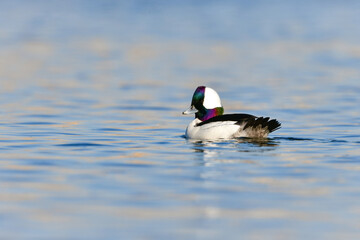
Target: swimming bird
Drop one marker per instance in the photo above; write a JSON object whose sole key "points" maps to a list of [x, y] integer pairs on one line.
{"points": [[210, 123]]}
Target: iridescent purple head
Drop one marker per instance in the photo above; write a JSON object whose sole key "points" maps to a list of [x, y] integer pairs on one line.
{"points": [[205, 104]]}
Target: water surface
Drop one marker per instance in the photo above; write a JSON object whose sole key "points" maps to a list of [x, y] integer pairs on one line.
{"points": [[92, 138]]}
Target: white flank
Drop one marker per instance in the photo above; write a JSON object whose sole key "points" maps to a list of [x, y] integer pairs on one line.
{"points": [[222, 130], [212, 131]]}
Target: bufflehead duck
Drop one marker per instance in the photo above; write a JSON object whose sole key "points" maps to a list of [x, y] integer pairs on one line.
{"points": [[210, 123]]}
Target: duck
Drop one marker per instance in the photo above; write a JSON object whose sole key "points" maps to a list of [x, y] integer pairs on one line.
{"points": [[211, 123]]}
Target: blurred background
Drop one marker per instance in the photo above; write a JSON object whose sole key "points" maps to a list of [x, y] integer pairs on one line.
{"points": [[91, 132], [107, 45]]}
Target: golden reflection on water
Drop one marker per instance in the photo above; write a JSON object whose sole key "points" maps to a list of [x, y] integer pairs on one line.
{"points": [[31, 57], [139, 58], [297, 187]]}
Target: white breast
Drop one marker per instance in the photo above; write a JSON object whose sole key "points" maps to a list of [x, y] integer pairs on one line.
{"points": [[214, 130]]}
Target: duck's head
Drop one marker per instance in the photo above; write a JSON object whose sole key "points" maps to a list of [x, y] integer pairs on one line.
{"points": [[205, 104]]}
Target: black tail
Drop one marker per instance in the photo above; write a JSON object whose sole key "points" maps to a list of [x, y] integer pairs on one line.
{"points": [[272, 124]]}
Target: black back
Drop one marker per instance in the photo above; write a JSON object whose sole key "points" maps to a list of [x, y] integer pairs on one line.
{"points": [[250, 120], [240, 118]]}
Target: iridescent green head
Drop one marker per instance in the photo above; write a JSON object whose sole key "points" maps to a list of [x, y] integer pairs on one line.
{"points": [[205, 104]]}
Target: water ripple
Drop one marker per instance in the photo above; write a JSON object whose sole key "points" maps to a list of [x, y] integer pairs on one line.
{"points": [[36, 123], [109, 129], [81, 144]]}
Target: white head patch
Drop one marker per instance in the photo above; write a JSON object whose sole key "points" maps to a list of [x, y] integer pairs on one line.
{"points": [[211, 99]]}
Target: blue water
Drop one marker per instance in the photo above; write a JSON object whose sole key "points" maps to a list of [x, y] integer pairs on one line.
{"points": [[92, 138]]}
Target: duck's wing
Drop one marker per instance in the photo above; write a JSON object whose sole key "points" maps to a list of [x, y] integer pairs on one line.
{"points": [[237, 118], [271, 124], [250, 121]]}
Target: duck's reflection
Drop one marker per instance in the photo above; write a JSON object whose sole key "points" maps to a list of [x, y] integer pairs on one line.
{"points": [[256, 145], [223, 151]]}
